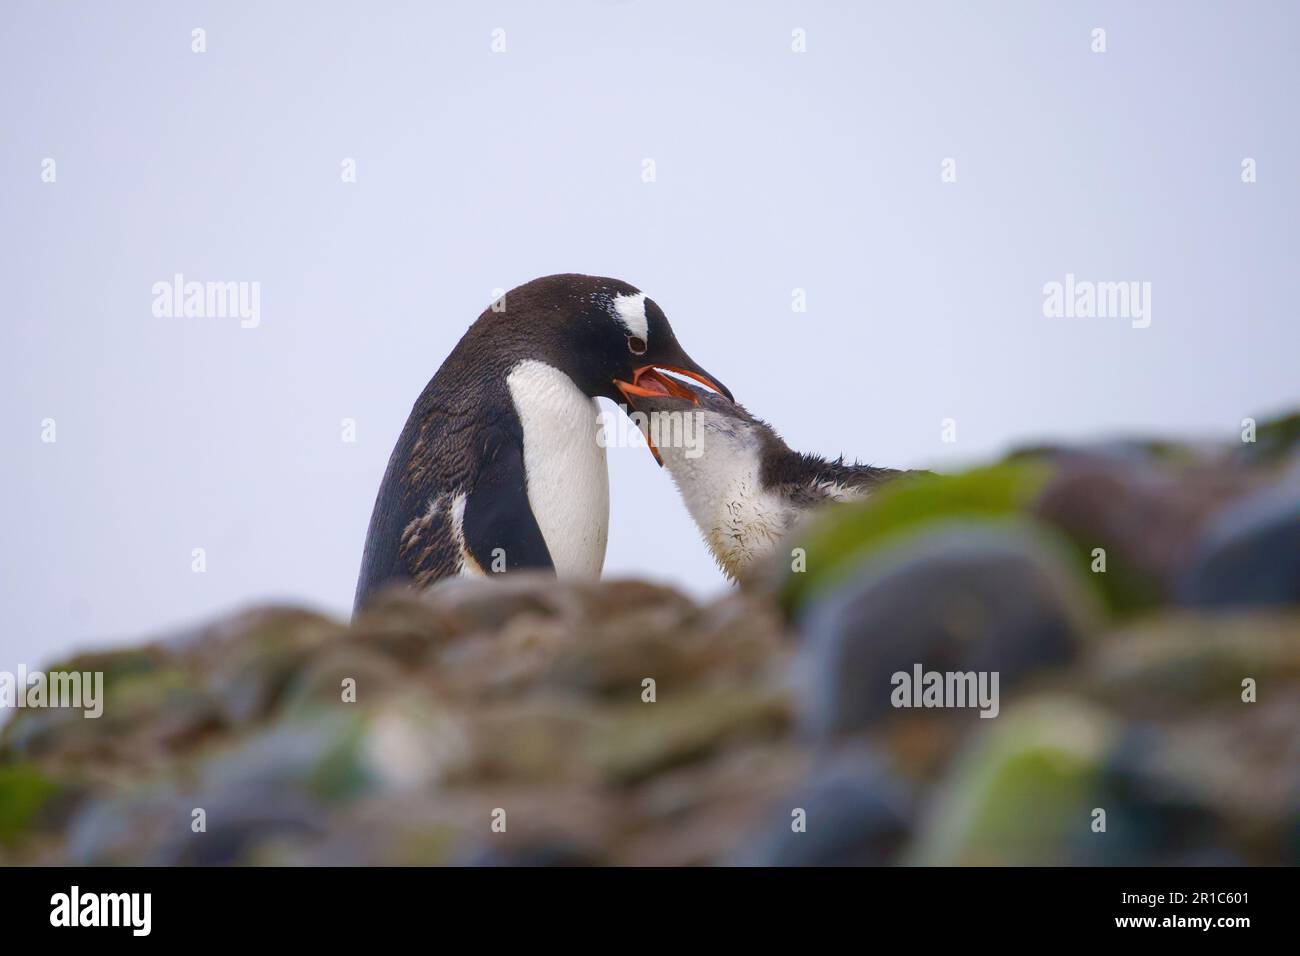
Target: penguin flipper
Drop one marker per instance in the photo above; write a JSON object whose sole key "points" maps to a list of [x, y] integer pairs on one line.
{"points": [[500, 529]]}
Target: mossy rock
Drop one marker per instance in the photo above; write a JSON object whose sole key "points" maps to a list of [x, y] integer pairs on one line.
{"points": [[1022, 793], [1275, 438], [1179, 660], [640, 740], [23, 792], [841, 538], [317, 752]]}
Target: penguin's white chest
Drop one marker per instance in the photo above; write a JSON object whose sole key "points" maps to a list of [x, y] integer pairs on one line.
{"points": [[568, 480]]}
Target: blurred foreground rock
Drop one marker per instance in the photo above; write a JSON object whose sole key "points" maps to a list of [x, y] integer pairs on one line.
{"points": [[1148, 706]]}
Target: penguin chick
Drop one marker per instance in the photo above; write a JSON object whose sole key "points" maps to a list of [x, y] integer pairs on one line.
{"points": [[744, 487]]}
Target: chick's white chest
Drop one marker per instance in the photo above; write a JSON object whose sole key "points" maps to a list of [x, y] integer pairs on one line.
{"points": [[741, 520]]}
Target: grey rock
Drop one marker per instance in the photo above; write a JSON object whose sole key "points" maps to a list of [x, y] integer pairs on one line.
{"points": [[965, 597], [489, 603], [117, 829], [1250, 554], [318, 753], [242, 822], [855, 813], [1154, 813], [537, 852]]}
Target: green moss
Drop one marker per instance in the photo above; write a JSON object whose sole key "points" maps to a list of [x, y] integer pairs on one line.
{"points": [[1022, 794], [114, 665], [428, 846], [841, 538], [1123, 589], [339, 773], [23, 791], [1277, 437], [145, 691]]}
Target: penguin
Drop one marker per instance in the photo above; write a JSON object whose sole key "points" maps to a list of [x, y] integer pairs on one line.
{"points": [[499, 466], [744, 487]]}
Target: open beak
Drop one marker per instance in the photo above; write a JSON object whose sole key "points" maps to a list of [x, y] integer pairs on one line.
{"points": [[648, 380]]}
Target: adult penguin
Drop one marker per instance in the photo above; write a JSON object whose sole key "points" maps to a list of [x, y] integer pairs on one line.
{"points": [[499, 466]]}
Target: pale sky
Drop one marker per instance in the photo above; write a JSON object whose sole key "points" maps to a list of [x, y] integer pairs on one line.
{"points": [[775, 170]]}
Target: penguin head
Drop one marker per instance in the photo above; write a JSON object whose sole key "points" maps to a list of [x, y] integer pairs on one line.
{"points": [[607, 336]]}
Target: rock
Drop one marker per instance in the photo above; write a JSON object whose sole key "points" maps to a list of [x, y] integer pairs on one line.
{"points": [[242, 823], [404, 627], [850, 813], [157, 826], [531, 740], [121, 828], [1250, 554], [489, 603], [1182, 789], [252, 659], [1114, 453], [1061, 781], [319, 754], [700, 812], [53, 735], [265, 629], [735, 638], [1179, 661], [607, 599], [537, 852], [412, 743], [1212, 716], [524, 697], [137, 684], [1277, 440], [960, 598], [1144, 518], [639, 740], [1022, 793], [623, 651], [24, 791], [839, 539], [1152, 814], [320, 681]]}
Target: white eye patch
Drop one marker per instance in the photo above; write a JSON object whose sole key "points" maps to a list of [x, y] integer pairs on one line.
{"points": [[630, 310]]}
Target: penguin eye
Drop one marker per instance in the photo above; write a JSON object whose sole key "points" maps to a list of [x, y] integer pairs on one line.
{"points": [[636, 345]]}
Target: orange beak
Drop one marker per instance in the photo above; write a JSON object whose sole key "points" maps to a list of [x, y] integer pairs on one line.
{"points": [[648, 380]]}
